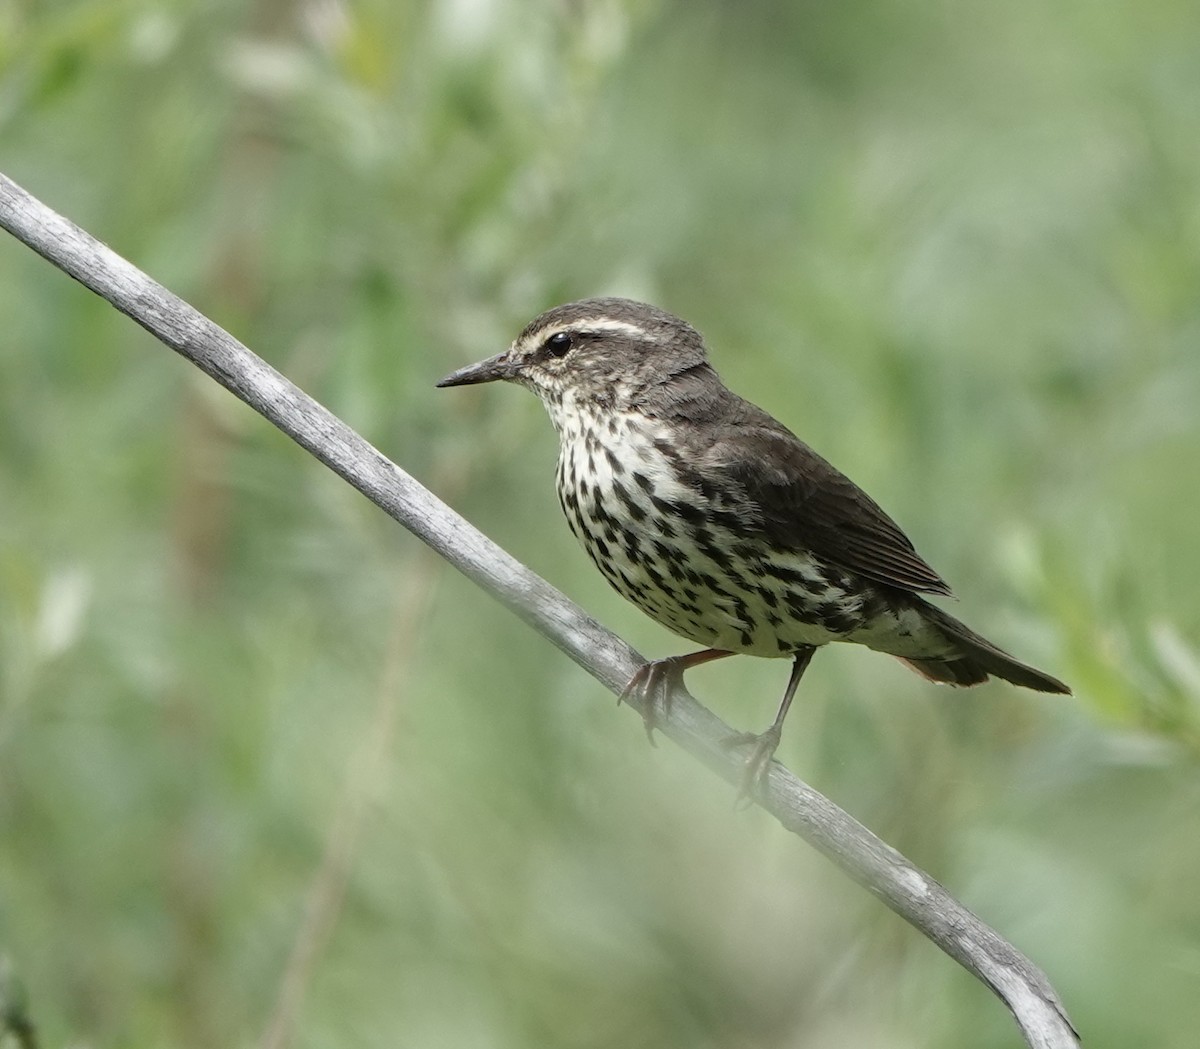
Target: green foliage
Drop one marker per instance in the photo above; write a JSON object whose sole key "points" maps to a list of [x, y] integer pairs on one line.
{"points": [[269, 773]]}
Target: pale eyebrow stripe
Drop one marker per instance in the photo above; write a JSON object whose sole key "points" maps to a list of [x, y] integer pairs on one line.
{"points": [[597, 324], [586, 325], [609, 324]]}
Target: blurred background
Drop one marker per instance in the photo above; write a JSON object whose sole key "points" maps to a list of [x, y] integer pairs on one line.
{"points": [[270, 775]]}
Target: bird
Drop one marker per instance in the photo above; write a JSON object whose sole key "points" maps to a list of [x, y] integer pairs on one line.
{"points": [[717, 521]]}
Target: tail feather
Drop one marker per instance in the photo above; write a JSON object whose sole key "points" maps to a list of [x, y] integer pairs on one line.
{"points": [[977, 659], [961, 672]]}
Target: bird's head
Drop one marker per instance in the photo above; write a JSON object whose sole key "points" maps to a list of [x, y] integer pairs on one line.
{"points": [[608, 353]]}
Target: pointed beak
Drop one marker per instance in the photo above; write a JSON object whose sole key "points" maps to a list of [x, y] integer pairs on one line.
{"points": [[498, 367]]}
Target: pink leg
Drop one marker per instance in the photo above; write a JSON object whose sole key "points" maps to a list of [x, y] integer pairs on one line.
{"points": [[763, 745], [652, 683]]}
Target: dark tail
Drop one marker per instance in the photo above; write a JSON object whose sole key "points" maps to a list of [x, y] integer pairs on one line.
{"points": [[978, 659]]}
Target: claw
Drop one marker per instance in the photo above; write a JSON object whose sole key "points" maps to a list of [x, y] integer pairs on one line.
{"points": [[764, 745], [652, 683], [655, 681], [758, 762]]}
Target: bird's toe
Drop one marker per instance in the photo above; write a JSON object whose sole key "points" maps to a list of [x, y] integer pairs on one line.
{"points": [[761, 753]]}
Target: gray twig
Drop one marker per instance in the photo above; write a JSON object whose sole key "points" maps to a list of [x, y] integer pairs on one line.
{"points": [[908, 891]]}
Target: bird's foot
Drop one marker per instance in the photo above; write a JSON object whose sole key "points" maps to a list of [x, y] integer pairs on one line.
{"points": [[758, 761], [652, 683]]}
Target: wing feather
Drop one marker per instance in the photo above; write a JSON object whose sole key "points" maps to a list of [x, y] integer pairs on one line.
{"points": [[797, 499], [805, 503]]}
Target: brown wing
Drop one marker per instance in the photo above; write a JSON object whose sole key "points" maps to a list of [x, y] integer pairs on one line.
{"points": [[797, 499], [807, 504]]}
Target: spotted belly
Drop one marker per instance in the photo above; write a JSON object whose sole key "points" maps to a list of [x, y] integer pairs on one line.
{"points": [[690, 558]]}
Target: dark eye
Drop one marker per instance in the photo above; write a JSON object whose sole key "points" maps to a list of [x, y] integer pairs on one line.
{"points": [[559, 344]]}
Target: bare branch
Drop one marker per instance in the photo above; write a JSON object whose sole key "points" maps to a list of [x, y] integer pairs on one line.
{"points": [[908, 891]]}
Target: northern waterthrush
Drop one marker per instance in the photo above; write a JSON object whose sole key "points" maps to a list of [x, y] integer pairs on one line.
{"points": [[716, 520]]}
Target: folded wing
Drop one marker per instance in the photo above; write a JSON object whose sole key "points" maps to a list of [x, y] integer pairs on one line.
{"points": [[805, 503]]}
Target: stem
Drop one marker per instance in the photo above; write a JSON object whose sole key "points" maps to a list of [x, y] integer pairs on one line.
{"points": [[907, 890]]}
